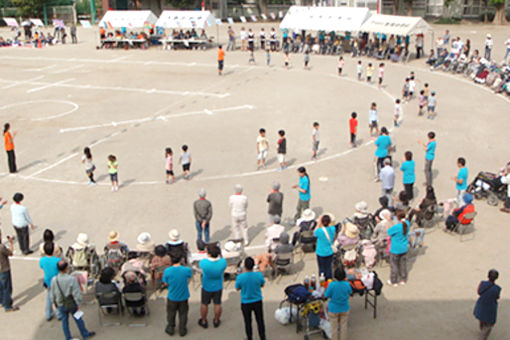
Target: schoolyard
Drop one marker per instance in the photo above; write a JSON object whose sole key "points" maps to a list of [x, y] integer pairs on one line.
{"points": [[135, 103]]}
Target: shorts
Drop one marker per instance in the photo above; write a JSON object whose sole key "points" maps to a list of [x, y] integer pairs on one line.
{"points": [[369, 78], [406, 93], [170, 172], [185, 167], [380, 80], [220, 65], [339, 70], [421, 106], [306, 63], [281, 158], [214, 296], [353, 138], [315, 146], [373, 124], [431, 108], [114, 177], [286, 63], [262, 155], [91, 170]]}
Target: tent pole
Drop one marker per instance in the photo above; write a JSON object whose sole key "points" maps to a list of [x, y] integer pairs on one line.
{"points": [[217, 35]]}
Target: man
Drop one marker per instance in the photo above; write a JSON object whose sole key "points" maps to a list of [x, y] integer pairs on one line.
{"points": [[231, 39], [458, 215], [48, 263], [387, 177], [275, 200], [66, 295], [221, 59], [488, 47], [177, 278], [273, 232], [21, 221], [430, 153], [250, 284], [213, 268], [202, 209], [461, 179], [5, 275], [73, 34], [486, 308], [238, 209]]}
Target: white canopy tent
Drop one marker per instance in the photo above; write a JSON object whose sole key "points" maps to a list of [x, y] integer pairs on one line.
{"points": [[128, 19], [186, 19], [325, 18], [394, 24]]}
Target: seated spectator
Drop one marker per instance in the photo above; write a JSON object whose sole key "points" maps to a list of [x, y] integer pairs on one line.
{"points": [[48, 237], [132, 285], [458, 214], [81, 252], [380, 235], [272, 233], [200, 254], [175, 243], [307, 222], [284, 247], [384, 202], [135, 265], [159, 263], [422, 211], [230, 251], [349, 235], [360, 210], [402, 202], [106, 285], [115, 251], [203, 35], [145, 243]]}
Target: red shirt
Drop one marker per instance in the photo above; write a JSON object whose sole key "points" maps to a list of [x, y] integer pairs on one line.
{"points": [[353, 122], [470, 208]]}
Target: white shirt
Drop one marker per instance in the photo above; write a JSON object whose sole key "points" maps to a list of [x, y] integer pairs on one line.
{"points": [[397, 109], [359, 68], [489, 43], [315, 133], [506, 180], [238, 205], [412, 85], [507, 43], [372, 115], [185, 157], [262, 34], [243, 35], [262, 143], [20, 216], [272, 232]]}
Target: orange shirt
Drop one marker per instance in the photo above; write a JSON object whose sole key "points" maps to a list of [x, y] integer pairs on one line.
{"points": [[353, 122], [9, 144], [221, 55]]}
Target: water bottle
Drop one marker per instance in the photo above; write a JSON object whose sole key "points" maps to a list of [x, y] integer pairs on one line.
{"points": [[306, 283], [322, 280], [313, 282]]}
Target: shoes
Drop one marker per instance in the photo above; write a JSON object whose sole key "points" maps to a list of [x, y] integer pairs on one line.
{"points": [[12, 309], [183, 332], [28, 252], [505, 210], [392, 284], [170, 331], [203, 324], [216, 324], [91, 334], [246, 243], [402, 283]]}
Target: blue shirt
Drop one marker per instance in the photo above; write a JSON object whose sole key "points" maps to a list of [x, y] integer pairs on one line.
{"points": [[250, 283], [407, 168], [49, 265], [304, 183], [431, 151], [323, 247], [382, 142], [462, 175], [399, 242], [176, 277], [338, 292], [212, 274]]}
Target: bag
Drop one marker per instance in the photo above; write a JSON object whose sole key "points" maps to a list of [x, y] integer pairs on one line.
{"points": [[67, 301], [357, 286], [350, 258], [79, 257], [378, 285], [115, 257], [333, 247], [297, 293], [284, 315]]}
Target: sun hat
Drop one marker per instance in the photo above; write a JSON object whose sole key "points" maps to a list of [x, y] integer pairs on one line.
{"points": [[489, 35], [82, 239], [362, 207], [144, 238], [174, 235], [351, 231], [113, 236], [308, 215], [145, 242]]}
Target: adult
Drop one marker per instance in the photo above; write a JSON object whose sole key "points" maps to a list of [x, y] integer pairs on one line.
{"points": [[507, 45], [305, 223], [486, 308], [273, 232], [505, 179], [489, 43], [177, 278], [48, 263], [145, 243], [213, 268], [202, 209], [387, 178], [408, 174], [461, 179], [49, 237], [325, 235], [5, 275], [106, 285], [250, 284], [382, 143], [74, 39], [458, 215], [430, 154], [115, 251], [66, 295], [275, 202], [238, 210], [338, 293], [9, 147], [398, 250], [380, 234], [348, 235], [21, 221], [422, 210], [231, 39], [303, 188]]}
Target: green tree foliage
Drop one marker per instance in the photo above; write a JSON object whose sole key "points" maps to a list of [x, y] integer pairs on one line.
{"points": [[26, 8], [184, 4]]}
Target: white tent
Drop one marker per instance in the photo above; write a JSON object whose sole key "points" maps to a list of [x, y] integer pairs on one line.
{"points": [[186, 19], [325, 18], [11, 22], [128, 19], [394, 24]]}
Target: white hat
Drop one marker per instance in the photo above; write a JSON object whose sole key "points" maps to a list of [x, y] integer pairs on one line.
{"points": [[308, 215], [230, 246], [351, 231], [489, 35], [82, 239], [362, 207], [174, 235], [144, 238]]}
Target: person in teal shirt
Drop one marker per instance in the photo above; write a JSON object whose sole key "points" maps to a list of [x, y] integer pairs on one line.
{"points": [[250, 284], [408, 174], [325, 235], [461, 180], [338, 293], [48, 264], [177, 278], [398, 250], [383, 143], [430, 155], [304, 192]]}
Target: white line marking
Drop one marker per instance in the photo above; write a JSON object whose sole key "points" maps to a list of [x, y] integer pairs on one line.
{"points": [[74, 105], [48, 85], [16, 83], [40, 69], [21, 258], [53, 165], [68, 69]]}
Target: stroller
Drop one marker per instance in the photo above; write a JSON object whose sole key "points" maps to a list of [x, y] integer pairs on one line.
{"points": [[488, 185]]}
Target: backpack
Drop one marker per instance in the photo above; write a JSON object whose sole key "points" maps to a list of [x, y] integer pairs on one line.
{"points": [[357, 286], [79, 257], [297, 293], [115, 256], [378, 285]]}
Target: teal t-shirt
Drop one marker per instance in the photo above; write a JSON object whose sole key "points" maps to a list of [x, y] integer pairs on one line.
{"points": [[407, 169], [399, 242], [323, 247], [212, 274], [304, 183], [49, 266], [462, 175], [176, 277], [382, 142], [250, 284], [338, 293], [431, 151]]}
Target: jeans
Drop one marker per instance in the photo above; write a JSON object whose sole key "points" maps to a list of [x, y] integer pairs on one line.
{"points": [[338, 319], [428, 171], [65, 323], [172, 307], [409, 190], [49, 307], [12, 161], [231, 45], [488, 53], [325, 263], [23, 238], [6, 289], [398, 267], [247, 309], [198, 225], [301, 206]]}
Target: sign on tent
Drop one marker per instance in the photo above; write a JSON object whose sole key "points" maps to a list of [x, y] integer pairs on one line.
{"points": [[11, 22], [243, 19], [230, 21], [85, 23], [253, 18]]}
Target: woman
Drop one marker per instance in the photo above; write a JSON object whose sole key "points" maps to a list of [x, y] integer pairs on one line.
{"points": [[106, 285], [486, 308], [349, 235], [304, 192], [457, 216], [48, 237], [398, 250], [408, 174], [380, 235], [339, 292], [325, 235], [423, 210], [9, 147], [402, 202]]}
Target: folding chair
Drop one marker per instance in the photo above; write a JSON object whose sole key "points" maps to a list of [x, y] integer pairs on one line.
{"points": [[283, 263], [463, 229], [136, 300], [108, 302]]}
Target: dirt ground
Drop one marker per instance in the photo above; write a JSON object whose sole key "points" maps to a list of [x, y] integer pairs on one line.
{"points": [[135, 103]]}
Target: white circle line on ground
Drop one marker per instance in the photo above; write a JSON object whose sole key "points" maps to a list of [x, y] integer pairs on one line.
{"points": [[74, 105]]}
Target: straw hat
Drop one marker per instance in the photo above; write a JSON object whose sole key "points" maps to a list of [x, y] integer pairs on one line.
{"points": [[82, 239], [351, 231], [362, 207], [113, 236], [489, 35], [174, 235], [308, 215]]}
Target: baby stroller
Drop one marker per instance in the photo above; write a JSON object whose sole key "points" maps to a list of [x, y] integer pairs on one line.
{"points": [[488, 185]]}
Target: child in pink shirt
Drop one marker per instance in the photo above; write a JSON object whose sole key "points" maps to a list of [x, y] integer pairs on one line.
{"points": [[169, 164], [381, 74]]}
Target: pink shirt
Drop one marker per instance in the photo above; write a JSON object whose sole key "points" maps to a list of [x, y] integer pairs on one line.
{"points": [[381, 72], [169, 162], [340, 63]]}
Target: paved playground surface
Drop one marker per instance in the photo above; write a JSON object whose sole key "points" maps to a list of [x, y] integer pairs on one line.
{"points": [[135, 103]]}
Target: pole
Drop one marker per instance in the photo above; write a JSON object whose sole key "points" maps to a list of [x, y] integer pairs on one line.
{"points": [[218, 34], [45, 13], [93, 11]]}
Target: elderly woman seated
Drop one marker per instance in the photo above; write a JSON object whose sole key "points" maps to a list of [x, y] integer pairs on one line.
{"points": [[132, 285], [105, 286], [458, 215], [380, 235], [159, 263], [425, 209], [349, 235]]}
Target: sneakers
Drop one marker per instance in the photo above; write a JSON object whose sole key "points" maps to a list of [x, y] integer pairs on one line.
{"points": [[216, 324], [12, 309], [203, 324], [392, 284], [91, 334], [402, 283]]}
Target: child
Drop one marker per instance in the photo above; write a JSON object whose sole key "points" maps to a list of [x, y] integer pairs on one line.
{"points": [[427, 91], [381, 74], [405, 90], [113, 167], [372, 119], [431, 106], [252, 57], [353, 124], [169, 164], [262, 146], [370, 71], [185, 160], [287, 60], [340, 65], [282, 150], [221, 59], [412, 86], [421, 102], [359, 69], [396, 113], [307, 59], [89, 166], [315, 140]]}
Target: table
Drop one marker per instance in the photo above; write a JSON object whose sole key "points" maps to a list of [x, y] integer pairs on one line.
{"points": [[170, 43]]}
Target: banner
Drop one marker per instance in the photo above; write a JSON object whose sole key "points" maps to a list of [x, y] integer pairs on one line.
{"points": [[85, 23], [230, 21], [243, 19], [263, 15], [253, 18], [11, 22]]}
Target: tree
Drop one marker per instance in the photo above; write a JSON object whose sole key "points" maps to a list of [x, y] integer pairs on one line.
{"points": [[499, 17], [29, 8]]}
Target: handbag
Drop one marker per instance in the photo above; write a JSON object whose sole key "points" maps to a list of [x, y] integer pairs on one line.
{"points": [[67, 301], [333, 247]]}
